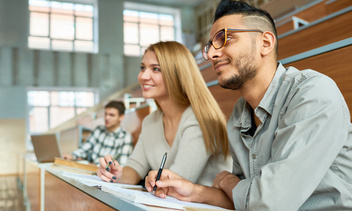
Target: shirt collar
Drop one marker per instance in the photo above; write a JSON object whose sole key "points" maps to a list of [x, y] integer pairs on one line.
{"points": [[117, 130], [268, 101], [266, 104]]}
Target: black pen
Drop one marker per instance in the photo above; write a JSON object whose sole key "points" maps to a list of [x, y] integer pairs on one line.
{"points": [[160, 169]]}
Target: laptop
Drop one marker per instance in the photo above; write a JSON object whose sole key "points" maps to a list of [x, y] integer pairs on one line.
{"points": [[46, 147]]}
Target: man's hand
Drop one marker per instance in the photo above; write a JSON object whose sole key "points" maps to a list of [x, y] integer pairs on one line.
{"points": [[226, 181], [67, 156]]}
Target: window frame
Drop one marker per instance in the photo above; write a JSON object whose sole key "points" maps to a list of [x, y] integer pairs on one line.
{"points": [[175, 12], [54, 89], [94, 19]]}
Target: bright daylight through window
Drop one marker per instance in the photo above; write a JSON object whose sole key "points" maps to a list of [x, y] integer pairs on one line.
{"points": [[62, 26], [48, 109], [142, 28]]}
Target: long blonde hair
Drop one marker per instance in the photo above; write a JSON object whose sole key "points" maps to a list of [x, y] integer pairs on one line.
{"points": [[186, 86]]}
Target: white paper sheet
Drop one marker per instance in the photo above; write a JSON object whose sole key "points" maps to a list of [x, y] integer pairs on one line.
{"points": [[143, 197], [94, 180]]}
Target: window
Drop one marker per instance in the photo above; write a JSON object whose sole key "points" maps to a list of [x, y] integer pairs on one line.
{"points": [[147, 26], [49, 108], [62, 25]]}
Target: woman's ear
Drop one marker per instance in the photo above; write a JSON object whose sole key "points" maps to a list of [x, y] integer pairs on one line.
{"points": [[268, 43]]}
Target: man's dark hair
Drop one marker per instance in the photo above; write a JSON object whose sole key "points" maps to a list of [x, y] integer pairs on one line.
{"points": [[231, 7], [120, 106]]}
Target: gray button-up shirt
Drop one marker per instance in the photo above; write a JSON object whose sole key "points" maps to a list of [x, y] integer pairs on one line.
{"points": [[300, 156]]}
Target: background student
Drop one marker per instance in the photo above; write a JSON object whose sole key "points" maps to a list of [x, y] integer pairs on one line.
{"points": [[188, 124], [290, 133], [107, 139]]}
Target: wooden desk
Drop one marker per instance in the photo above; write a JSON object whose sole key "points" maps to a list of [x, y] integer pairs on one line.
{"points": [[46, 189], [67, 194], [31, 181]]}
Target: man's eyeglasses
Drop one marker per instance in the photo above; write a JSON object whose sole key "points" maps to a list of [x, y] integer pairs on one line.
{"points": [[220, 38]]}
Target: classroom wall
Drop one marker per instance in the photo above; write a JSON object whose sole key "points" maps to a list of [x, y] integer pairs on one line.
{"points": [[20, 67], [12, 127], [11, 144], [12, 101]]}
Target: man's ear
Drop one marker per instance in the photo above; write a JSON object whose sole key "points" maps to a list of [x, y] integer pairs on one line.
{"points": [[268, 43]]}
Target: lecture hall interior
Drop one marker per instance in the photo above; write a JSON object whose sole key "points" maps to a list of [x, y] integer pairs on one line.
{"points": [[61, 61]]}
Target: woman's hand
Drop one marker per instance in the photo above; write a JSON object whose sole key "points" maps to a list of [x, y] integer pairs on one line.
{"points": [[170, 184], [109, 171]]}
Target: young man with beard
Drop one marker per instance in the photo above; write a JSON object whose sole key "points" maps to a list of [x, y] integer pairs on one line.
{"points": [[106, 139], [290, 133]]}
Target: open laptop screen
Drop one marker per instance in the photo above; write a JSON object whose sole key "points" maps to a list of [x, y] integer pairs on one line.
{"points": [[46, 147]]}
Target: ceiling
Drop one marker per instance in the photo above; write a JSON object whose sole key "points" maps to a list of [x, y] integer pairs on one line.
{"points": [[172, 3]]}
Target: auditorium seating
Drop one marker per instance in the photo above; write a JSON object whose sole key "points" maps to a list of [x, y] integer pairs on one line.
{"points": [[310, 13], [329, 29]]}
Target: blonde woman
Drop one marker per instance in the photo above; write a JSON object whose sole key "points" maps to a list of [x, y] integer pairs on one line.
{"points": [[188, 124]]}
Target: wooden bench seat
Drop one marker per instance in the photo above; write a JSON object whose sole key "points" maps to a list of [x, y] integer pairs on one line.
{"points": [[331, 29], [286, 23], [310, 13]]}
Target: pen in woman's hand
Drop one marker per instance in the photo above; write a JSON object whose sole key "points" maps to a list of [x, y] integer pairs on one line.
{"points": [[160, 169]]}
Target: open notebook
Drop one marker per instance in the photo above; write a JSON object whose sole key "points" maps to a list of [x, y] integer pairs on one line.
{"points": [[94, 180], [147, 198]]}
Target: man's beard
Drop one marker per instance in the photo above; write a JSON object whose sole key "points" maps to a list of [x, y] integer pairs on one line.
{"points": [[246, 71]]}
